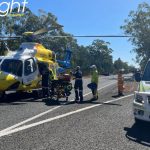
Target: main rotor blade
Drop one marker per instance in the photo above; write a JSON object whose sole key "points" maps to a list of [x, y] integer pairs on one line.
{"points": [[89, 36], [5, 40], [41, 31], [10, 37]]}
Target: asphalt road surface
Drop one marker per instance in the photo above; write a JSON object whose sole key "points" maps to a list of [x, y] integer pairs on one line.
{"points": [[106, 124]]}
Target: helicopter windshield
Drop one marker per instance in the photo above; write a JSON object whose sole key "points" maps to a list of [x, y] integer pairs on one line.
{"points": [[12, 66]]}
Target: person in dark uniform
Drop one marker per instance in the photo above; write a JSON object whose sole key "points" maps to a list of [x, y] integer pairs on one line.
{"points": [[45, 81], [78, 86]]}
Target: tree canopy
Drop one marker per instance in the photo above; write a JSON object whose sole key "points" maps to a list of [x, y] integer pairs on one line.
{"points": [[138, 26]]}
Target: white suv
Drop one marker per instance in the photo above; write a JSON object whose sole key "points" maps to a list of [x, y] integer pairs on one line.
{"points": [[141, 104]]}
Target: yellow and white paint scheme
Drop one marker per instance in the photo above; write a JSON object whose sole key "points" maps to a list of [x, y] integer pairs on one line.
{"points": [[141, 104], [19, 70]]}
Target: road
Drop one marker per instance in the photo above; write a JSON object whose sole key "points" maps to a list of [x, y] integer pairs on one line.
{"points": [[28, 124]]}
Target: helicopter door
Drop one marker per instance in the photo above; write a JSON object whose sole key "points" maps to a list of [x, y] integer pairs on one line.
{"points": [[30, 71]]}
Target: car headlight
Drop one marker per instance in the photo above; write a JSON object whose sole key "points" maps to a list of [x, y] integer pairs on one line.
{"points": [[139, 98]]}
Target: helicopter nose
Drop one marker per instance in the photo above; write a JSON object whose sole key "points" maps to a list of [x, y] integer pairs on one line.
{"points": [[6, 80]]}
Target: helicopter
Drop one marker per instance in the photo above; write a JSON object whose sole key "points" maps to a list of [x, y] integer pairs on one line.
{"points": [[20, 70]]}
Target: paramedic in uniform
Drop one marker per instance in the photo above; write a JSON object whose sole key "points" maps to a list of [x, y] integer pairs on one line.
{"points": [[45, 81], [78, 86]]}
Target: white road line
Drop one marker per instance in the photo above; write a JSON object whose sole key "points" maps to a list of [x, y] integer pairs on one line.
{"points": [[46, 112], [30, 119], [58, 117]]}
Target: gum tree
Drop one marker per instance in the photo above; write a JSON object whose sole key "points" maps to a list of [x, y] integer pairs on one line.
{"points": [[138, 26]]}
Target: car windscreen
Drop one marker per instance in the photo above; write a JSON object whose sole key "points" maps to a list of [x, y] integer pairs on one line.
{"points": [[12, 66], [146, 75]]}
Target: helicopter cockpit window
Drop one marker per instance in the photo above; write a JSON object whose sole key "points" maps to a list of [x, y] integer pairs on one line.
{"points": [[30, 67], [12, 66]]}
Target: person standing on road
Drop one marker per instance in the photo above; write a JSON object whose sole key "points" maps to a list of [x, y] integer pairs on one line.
{"points": [[78, 86], [94, 82], [45, 81], [120, 83]]}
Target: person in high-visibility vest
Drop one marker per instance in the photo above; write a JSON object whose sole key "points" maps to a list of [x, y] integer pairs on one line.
{"points": [[120, 83], [94, 82]]}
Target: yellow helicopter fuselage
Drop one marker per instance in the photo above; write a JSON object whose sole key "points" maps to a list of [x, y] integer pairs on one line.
{"points": [[20, 71]]}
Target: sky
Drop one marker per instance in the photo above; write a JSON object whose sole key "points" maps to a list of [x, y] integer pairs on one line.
{"points": [[93, 17]]}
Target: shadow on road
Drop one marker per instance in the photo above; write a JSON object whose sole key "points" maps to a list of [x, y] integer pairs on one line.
{"points": [[17, 99], [22, 99], [139, 133], [117, 96], [93, 102], [51, 102]]}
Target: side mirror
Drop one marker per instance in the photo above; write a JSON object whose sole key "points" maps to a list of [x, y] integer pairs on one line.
{"points": [[138, 77]]}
